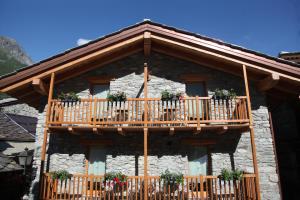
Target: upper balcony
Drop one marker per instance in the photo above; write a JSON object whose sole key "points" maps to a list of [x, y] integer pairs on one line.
{"points": [[194, 113]]}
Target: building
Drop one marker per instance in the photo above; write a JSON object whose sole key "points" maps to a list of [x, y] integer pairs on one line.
{"points": [[17, 132], [293, 56], [150, 98]]}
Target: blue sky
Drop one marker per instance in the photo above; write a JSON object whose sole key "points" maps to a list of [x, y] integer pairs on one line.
{"points": [[45, 28]]}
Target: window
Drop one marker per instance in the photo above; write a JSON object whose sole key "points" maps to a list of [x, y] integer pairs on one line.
{"points": [[99, 85], [100, 90], [198, 161], [97, 158], [195, 89]]}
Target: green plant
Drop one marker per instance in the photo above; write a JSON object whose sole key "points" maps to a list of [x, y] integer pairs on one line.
{"points": [[179, 95], [226, 175], [119, 96], [237, 174], [70, 96], [166, 95], [60, 174], [171, 177], [224, 94], [218, 94]]}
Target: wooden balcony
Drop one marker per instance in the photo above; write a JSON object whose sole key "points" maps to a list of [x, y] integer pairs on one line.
{"points": [[193, 187], [190, 112]]}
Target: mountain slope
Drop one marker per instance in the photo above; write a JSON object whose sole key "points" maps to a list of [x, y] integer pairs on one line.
{"points": [[12, 56]]}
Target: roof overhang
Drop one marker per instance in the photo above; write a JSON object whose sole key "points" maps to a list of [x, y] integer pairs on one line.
{"points": [[148, 36]]}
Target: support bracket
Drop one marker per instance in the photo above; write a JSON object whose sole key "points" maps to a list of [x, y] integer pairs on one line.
{"points": [[268, 83], [39, 86]]}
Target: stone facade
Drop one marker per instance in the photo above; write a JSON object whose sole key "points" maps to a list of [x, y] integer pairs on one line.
{"points": [[19, 109], [233, 150]]}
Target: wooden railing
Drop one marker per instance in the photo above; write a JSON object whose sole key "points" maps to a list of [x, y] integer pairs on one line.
{"points": [[190, 111], [193, 187]]}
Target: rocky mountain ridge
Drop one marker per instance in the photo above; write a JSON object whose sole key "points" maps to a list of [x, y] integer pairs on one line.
{"points": [[14, 50]]}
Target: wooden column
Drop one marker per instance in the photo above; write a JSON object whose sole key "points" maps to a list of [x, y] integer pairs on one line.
{"points": [[145, 80], [146, 163], [43, 153], [145, 132], [253, 147]]}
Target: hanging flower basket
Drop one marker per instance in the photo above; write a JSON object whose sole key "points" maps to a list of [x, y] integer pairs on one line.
{"points": [[115, 181]]}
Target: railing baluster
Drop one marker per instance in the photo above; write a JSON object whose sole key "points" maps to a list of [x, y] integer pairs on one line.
{"points": [[193, 187], [160, 113], [197, 111]]}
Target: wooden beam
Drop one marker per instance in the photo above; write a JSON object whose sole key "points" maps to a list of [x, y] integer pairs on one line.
{"points": [[190, 78], [177, 53], [72, 131], [97, 131], [202, 51], [45, 138], [97, 63], [89, 142], [76, 62], [198, 142], [222, 130], [147, 43], [145, 94], [197, 130], [172, 131], [145, 80], [120, 131], [146, 163], [268, 83], [39, 86], [253, 147], [101, 79]]}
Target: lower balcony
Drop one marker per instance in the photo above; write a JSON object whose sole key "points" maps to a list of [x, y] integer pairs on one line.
{"points": [[189, 112], [192, 187]]}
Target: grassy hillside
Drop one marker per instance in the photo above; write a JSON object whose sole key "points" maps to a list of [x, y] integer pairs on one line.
{"points": [[12, 57], [8, 64]]}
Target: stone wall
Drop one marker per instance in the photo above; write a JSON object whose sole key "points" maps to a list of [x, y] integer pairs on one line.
{"points": [[66, 152], [12, 147], [18, 109]]}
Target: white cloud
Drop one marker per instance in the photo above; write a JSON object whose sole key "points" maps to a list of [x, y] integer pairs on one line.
{"points": [[82, 41]]}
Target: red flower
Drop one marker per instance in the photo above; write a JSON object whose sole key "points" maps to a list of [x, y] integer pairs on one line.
{"points": [[181, 98]]}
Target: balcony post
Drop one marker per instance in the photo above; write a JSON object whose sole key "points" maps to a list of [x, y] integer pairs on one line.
{"points": [[252, 138], [145, 131], [145, 163], [43, 153], [145, 94]]}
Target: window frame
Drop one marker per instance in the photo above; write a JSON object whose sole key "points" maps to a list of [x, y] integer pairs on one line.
{"points": [[87, 160], [98, 80], [207, 154], [196, 78]]}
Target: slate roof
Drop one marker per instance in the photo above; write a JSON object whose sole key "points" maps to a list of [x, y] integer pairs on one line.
{"points": [[17, 127], [7, 164]]}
